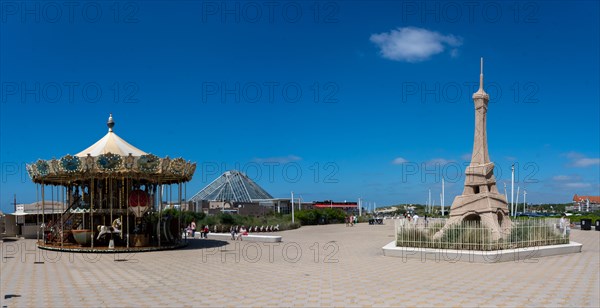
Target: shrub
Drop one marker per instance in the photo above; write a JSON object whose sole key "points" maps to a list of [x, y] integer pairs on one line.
{"points": [[467, 236], [306, 217], [317, 216], [528, 235], [413, 237], [226, 218]]}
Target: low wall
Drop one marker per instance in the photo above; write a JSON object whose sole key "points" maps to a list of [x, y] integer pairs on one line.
{"points": [[507, 255], [249, 237]]}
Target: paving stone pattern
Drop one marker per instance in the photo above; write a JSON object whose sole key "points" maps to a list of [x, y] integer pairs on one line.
{"points": [[331, 265]]}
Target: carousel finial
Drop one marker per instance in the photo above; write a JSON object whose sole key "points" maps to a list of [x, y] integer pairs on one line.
{"points": [[110, 123]]}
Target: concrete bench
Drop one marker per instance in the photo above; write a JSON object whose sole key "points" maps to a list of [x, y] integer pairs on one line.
{"points": [[249, 237]]}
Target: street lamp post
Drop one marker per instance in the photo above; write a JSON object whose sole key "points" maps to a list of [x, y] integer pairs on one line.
{"points": [[359, 208], [292, 207], [524, 200]]}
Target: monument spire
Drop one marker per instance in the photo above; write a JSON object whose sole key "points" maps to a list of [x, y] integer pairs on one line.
{"points": [[481, 91], [481, 75]]}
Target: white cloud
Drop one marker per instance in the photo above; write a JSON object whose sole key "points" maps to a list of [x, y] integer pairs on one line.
{"points": [[562, 177], [280, 159], [579, 160], [586, 162], [466, 157], [578, 185], [399, 160], [413, 44]]}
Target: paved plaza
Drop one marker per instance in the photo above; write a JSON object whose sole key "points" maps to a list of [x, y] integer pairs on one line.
{"points": [[330, 265]]}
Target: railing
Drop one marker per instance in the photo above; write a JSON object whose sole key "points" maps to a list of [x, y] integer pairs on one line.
{"points": [[66, 223], [472, 235]]}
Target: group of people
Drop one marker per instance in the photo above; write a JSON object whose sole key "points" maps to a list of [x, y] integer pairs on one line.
{"points": [[415, 219], [191, 230], [238, 232], [565, 225]]}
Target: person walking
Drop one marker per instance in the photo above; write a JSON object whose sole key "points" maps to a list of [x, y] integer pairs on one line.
{"points": [[561, 223], [243, 232], [193, 226], [232, 230], [567, 228]]}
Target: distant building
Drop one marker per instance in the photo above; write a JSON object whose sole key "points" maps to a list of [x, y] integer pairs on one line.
{"points": [[348, 207], [28, 218], [585, 203], [235, 192]]}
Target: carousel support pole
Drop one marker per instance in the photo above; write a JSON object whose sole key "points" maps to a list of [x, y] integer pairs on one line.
{"points": [[180, 209], [43, 209], [127, 206], [58, 198], [92, 211], [104, 205], [160, 196], [52, 204], [121, 195], [185, 198], [83, 208], [111, 193], [62, 211], [110, 198], [37, 216]]}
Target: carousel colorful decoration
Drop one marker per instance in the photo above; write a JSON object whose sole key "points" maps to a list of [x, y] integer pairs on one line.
{"points": [[138, 202], [149, 166], [112, 181]]}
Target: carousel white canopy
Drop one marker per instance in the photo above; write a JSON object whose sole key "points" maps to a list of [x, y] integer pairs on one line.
{"points": [[111, 143], [109, 157]]}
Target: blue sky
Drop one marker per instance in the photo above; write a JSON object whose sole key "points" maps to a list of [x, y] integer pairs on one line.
{"points": [[331, 100]]}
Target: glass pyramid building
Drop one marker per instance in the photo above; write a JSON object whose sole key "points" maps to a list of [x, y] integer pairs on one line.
{"points": [[232, 186]]}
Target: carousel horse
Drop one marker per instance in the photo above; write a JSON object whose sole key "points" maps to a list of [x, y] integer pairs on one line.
{"points": [[115, 228]]}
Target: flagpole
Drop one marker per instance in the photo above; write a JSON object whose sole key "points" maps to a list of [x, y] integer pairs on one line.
{"points": [[517, 203], [443, 197], [512, 189], [292, 207]]}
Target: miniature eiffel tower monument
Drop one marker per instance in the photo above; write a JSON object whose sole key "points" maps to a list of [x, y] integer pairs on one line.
{"points": [[480, 201]]}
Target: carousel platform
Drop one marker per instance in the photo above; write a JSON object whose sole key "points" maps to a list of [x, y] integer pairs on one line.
{"points": [[69, 247]]}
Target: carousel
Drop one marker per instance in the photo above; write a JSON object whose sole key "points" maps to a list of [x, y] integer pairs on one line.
{"points": [[112, 195]]}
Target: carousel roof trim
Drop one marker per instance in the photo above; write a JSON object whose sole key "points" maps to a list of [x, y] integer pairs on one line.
{"points": [[111, 143]]}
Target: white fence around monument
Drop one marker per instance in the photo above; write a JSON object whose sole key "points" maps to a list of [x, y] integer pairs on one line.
{"points": [[472, 235]]}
